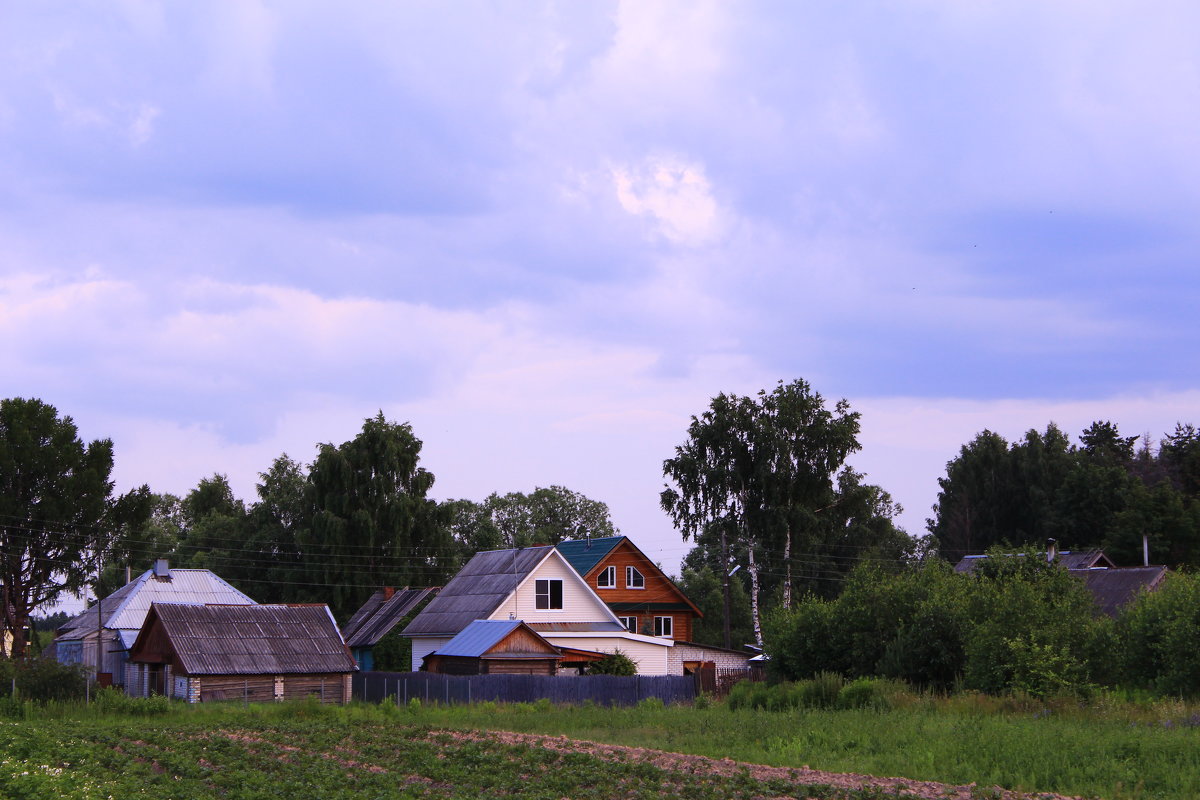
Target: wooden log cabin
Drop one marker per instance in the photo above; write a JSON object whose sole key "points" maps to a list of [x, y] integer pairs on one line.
{"points": [[258, 653]]}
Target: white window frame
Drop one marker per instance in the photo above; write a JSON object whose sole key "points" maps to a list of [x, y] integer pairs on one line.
{"points": [[630, 623], [664, 627], [629, 573], [607, 578], [543, 596]]}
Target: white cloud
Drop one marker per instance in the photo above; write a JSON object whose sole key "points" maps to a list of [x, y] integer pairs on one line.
{"points": [[674, 193]]}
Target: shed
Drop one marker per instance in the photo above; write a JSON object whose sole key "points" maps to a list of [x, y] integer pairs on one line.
{"points": [[253, 653], [490, 647], [376, 619]]}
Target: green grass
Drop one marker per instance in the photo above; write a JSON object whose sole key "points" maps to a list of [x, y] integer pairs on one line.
{"points": [[1110, 749]]}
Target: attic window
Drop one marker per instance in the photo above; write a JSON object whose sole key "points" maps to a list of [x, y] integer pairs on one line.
{"points": [[548, 593], [607, 579], [634, 579]]}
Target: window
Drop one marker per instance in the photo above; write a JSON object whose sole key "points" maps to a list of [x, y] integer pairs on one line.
{"points": [[630, 623], [607, 579], [634, 579], [664, 626], [547, 593]]}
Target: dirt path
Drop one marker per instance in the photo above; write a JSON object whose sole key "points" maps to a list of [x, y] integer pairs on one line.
{"points": [[678, 762]]}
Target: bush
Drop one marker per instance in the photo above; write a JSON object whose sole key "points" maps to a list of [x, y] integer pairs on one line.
{"points": [[870, 693], [1158, 637], [614, 663], [821, 691], [42, 680]]}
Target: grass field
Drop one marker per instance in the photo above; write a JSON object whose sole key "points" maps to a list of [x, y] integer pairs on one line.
{"points": [[306, 751]]}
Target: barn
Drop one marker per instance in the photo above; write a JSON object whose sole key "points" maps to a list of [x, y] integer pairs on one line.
{"points": [[252, 653], [492, 647]]}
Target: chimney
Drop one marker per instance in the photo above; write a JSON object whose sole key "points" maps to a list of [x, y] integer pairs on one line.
{"points": [[1051, 550], [162, 569], [1145, 550], [388, 591]]}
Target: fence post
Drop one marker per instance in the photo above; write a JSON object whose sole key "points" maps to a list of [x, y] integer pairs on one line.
{"points": [[245, 692], [468, 690], [406, 691], [322, 690]]}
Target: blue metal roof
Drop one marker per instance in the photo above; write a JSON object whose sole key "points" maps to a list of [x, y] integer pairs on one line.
{"points": [[478, 637], [584, 554]]}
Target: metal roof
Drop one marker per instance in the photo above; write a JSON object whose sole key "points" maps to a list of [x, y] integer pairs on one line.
{"points": [[584, 554], [477, 590], [1114, 588], [248, 639], [482, 635], [126, 608], [380, 614], [1081, 559]]}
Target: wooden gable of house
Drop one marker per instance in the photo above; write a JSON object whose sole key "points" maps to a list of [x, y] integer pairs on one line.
{"points": [[657, 597]]}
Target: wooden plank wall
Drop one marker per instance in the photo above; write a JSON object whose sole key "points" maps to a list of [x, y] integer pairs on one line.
{"points": [[602, 689]]}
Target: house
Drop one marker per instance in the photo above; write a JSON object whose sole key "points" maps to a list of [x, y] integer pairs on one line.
{"points": [[1112, 587], [249, 652], [632, 586], [376, 619], [539, 587], [114, 621], [495, 646]]}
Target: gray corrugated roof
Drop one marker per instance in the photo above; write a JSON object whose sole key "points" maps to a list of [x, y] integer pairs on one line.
{"points": [[476, 591], [251, 640], [1080, 559], [126, 608], [1114, 588], [380, 614]]}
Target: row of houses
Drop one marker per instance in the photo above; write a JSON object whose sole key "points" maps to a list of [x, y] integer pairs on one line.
{"points": [[186, 633]]}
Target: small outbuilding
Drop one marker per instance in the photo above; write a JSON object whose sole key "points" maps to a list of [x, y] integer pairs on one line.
{"points": [[252, 653], [376, 619], [492, 647]]}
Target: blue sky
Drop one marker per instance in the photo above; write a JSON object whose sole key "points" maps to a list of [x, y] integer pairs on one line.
{"points": [[546, 234]]}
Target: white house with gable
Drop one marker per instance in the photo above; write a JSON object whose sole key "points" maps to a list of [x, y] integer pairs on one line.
{"points": [[538, 586]]}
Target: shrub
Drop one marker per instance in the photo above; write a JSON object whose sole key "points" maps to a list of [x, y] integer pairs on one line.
{"points": [[822, 691], [42, 679], [1158, 638], [869, 693], [651, 704], [614, 663]]}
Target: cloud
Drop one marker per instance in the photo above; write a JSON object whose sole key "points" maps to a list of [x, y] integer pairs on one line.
{"points": [[676, 195]]}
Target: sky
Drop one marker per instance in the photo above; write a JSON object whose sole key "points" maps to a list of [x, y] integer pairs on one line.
{"points": [[547, 234]]}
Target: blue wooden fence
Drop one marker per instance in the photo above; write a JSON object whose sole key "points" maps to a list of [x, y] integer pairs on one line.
{"points": [[429, 687]]}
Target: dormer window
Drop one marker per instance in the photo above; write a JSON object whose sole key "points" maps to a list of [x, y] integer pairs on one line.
{"points": [[548, 593], [634, 579], [607, 578]]}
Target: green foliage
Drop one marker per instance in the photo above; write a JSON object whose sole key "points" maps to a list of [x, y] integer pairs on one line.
{"points": [[55, 509], [1159, 638], [42, 680], [614, 663], [1098, 494], [703, 587], [393, 653], [1031, 627], [111, 700]]}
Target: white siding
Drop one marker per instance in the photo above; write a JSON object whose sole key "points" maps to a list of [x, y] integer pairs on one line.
{"points": [[580, 603], [651, 658], [423, 646]]}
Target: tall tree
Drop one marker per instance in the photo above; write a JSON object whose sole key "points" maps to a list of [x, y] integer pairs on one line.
{"points": [[763, 468], [373, 524], [55, 509]]}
